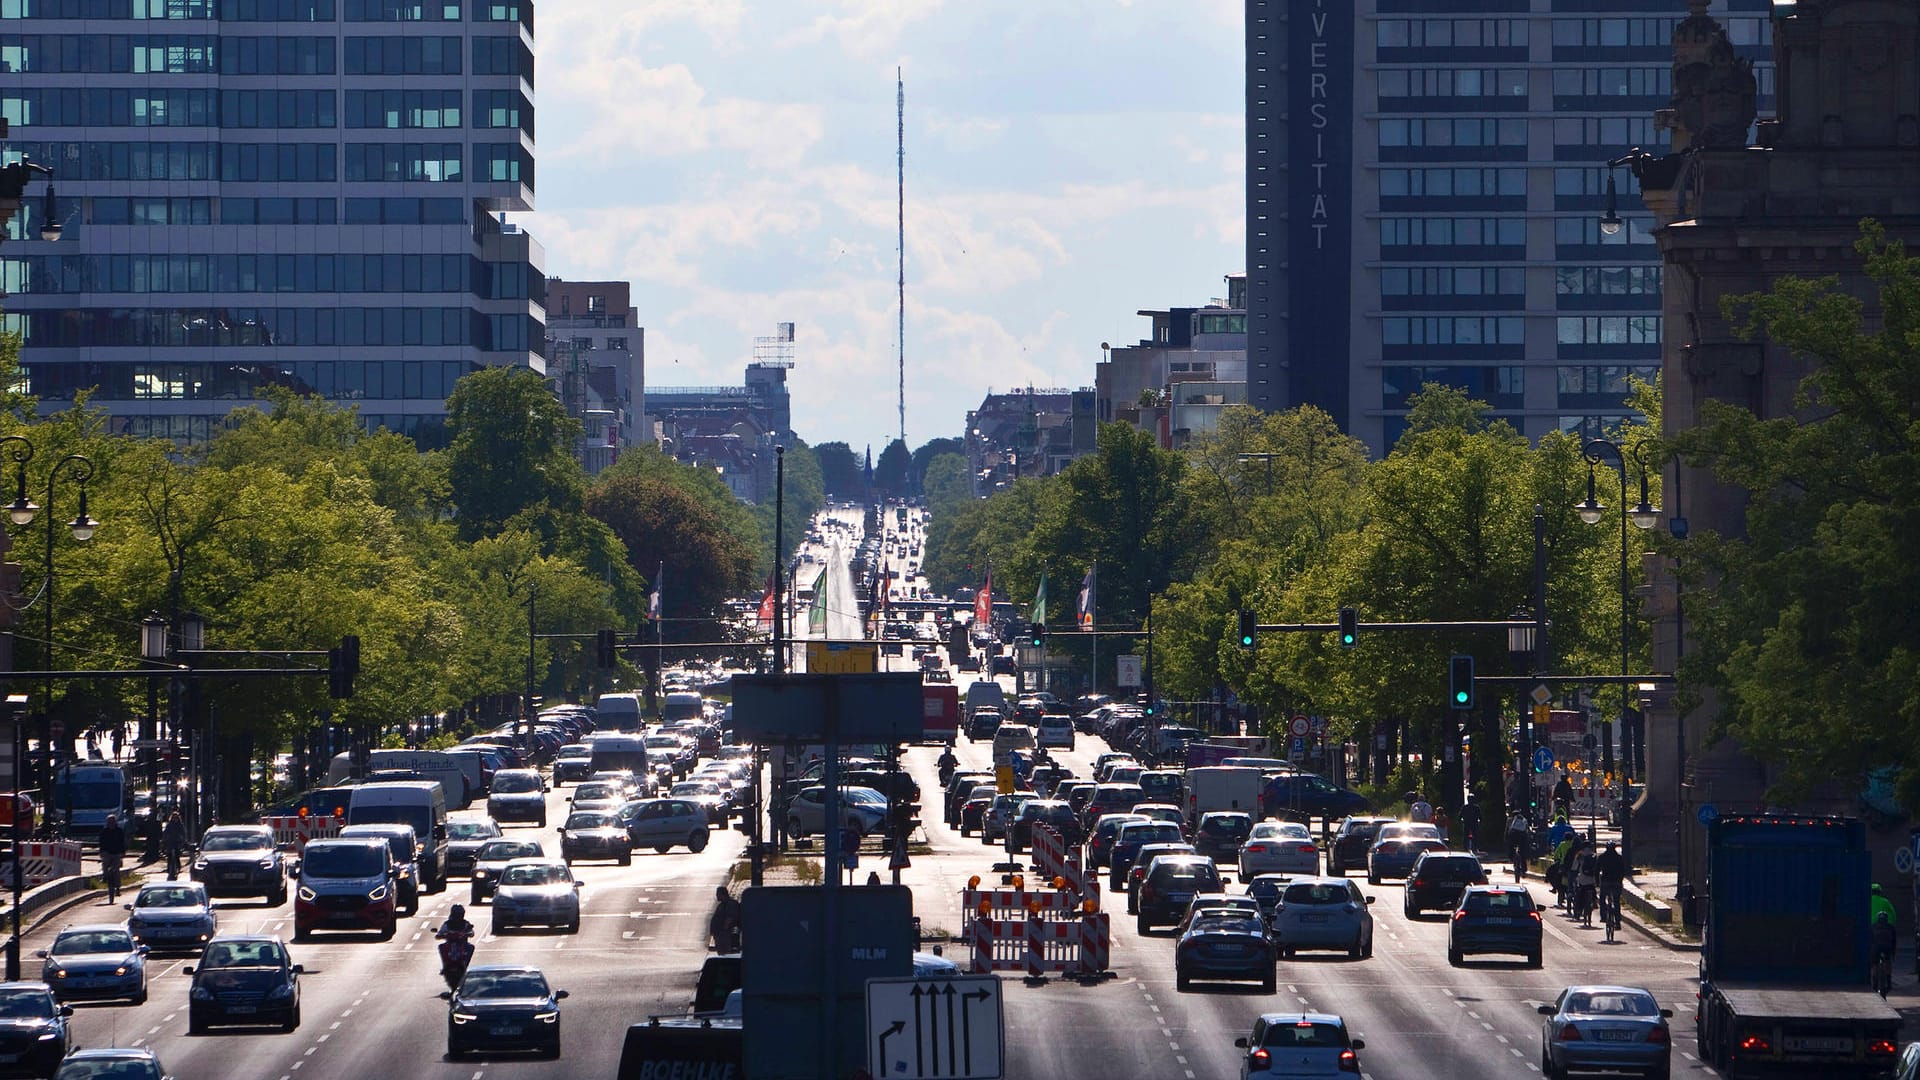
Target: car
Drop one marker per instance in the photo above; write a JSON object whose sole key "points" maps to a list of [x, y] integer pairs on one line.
{"points": [[1008, 738], [705, 794], [1132, 837], [1323, 913], [518, 795], [1076, 793], [1219, 833], [1495, 919], [112, 1063], [1163, 812], [345, 885], [973, 811], [1438, 878], [172, 916], [665, 823], [503, 1007], [35, 1034], [1278, 847], [1298, 796], [1299, 1044], [406, 853], [1168, 887], [1203, 903], [959, 788], [1221, 943], [1394, 856], [1056, 731], [1612, 1028], [95, 963], [1409, 830], [536, 892], [1163, 785], [1000, 814], [1350, 842], [595, 834], [863, 810], [1112, 799], [1103, 759], [598, 795], [494, 858], [1049, 777], [1051, 812], [631, 785], [244, 979], [241, 860], [1101, 837], [574, 762], [1265, 889], [1142, 859], [464, 841]]}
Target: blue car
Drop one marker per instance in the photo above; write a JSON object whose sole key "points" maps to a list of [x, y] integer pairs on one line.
{"points": [[95, 963]]}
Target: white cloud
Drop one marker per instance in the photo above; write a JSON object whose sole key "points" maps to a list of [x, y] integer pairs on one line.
{"points": [[866, 27]]}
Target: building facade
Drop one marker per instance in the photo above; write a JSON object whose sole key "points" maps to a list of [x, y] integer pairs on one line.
{"points": [[1175, 382], [1027, 433], [596, 363], [258, 193], [1425, 186]]}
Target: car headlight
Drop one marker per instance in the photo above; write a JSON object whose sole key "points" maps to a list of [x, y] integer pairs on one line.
{"points": [[378, 893], [200, 864], [282, 991], [479, 875], [266, 864], [552, 1016], [201, 993], [122, 970], [306, 895], [48, 1036], [464, 1017]]}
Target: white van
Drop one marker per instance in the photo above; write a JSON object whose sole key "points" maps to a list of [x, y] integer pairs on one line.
{"points": [[683, 705], [419, 803], [613, 751], [619, 712], [1008, 738], [1056, 731], [1223, 787], [435, 765]]}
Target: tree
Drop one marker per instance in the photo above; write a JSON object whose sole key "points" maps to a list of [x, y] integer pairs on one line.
{"points": [[840, 471], [924, 456], [890, 472], [1805, 624], [664, 523], [510, 448], [947, 485]]}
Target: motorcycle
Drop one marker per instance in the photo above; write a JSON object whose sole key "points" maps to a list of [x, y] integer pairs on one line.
{"points": [[456, 952], [947, 769]]}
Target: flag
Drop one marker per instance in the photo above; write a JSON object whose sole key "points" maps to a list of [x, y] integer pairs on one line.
{"points": [[1084, 612], [817, 611], [983, 602], [1040, 601], [766, 605], [653, 598]]}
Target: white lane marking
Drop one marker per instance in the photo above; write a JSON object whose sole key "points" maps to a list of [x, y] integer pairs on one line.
{"points": [[309, 1051], [335, 1026], [1486, 1025], [1515, 1051], [323, 1038], [1470, 1012], [1504, 1039], [155, 1029], [1447, 991]]}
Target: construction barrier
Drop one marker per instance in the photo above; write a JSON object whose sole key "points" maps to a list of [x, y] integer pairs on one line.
{"points": [[297, 831], [1038, 946], [41, 862], [1053, 859], [998, 944], [1096, 943], [1016, 904]]}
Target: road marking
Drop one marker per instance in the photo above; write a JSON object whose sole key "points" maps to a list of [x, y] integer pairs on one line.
{"points": [[1447, 991], [309, 1051], [1486, 1025], [336, 1025], [323, 1038], [155, 1029], [348, 1012], [1515, 1051], [1503, 1039]]}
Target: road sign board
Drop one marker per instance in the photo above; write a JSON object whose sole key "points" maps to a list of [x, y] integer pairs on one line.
{"points": [[1707, 813], [1541, 695], [1319, 724], [950, 1028], [1003, 779], [1903, 860], [1542, 759], [1542, 715], [1127, 670], [1301, 726], [1298, 748], [841, 657], [785, 1016], [883, 707]]}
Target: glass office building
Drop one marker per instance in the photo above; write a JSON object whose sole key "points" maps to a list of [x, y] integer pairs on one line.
{"points": [[257, 193], [1425, 186]]}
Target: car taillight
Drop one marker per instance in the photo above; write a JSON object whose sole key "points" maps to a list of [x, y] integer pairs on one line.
{"points": [[1419, 883], [1660, 1035], [1460, 914], [1308, 849], [1881, 1046], [1256, 849], [1348, 1062], [1756, 1044], [1569, 1034], [1259, 1059]]}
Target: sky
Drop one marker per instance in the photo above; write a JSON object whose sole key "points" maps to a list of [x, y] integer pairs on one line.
{"points": [[1069, 163]]}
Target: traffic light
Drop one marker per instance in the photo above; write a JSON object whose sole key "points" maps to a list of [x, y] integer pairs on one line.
{"points": [[1349, 627], [605, 648], [1460, 681], [343, 663], [1037, 635], [1247, 628]]}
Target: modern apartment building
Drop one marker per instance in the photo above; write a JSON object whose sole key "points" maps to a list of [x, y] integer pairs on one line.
{"points": [[256, 193], [1425, 186], [596, 363]]}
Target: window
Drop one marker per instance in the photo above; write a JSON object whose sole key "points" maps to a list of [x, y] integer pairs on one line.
{"points": [[1585, 229], [502, 56], [1220, 324], [1452, 232], [403, 56], [276, 109], [270, 163], [1470, 330], [502, 109], [1452, 82], [618, 344], [1452, 131], [1607, 280], [276, 55], [1608, 329], [403, 162], [1603, 379], [502, 163], [1460, 183], [1646, 33], [403, 108], [276, 11], [1452, 281], [1451, 33], [401, 11], [1639, 82]]}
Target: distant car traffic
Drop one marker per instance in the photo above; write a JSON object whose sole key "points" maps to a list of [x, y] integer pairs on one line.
{"points": [[172, 916], [1350, 842], [1438, 878], [1225, 945], [1278, 847], [464, 841], [244, 979], [1323, 913], [240, 860], [591, 834], [493, 858], [1169, 885], [536, 892], [95, 963]]}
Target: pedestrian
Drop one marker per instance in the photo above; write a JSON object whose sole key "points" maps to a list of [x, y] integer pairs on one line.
{"points": [[113, 850], [1418, 808], [1470, 824], [873, 877], [173, 840], [1442, 822], [1517, 836]]}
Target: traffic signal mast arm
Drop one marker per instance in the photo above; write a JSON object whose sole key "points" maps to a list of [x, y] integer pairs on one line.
{"points": [[1330, 627]]}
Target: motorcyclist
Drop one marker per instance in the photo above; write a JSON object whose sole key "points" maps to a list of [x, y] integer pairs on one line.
{"points": [[948, 763], [456, 943], [724, 924]]}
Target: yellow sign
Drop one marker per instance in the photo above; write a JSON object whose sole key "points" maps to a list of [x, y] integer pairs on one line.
{"points": [[1003, 779], [842, 657], [1542, 715]]}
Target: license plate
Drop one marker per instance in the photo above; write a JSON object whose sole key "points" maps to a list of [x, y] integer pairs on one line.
{"points": [[1499, 922], [1804, 1044], [504, 1029], [9, 1058], [1313, 918], [242, 1010], [1614, 1036], [234, 875]]}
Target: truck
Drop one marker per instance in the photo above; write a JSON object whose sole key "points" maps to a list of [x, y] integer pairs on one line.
{"points": [[1786, 951], [1222, 787], [939, 712]]}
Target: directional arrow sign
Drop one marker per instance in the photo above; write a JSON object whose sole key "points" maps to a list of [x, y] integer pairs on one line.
{"points": [[948, 1028]]}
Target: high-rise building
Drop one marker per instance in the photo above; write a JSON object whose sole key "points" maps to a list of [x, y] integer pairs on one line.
{"points": [[1425, 186], [256, 193], [596, 363]]}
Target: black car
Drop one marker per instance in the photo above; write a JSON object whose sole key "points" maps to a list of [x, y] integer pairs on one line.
{"points": [[1495, 919], [1048, 811], [1169, 887], [1131, 838], [33, 1029], [1438, 878], [960, 788], [241, 860], [983, 723], [1298, 796], [243, 979], [595, 834], [503, 1007], [1225, 946], [1220, 834], [464, 841], [896, 786], [1266, 889], [1352, 841]]}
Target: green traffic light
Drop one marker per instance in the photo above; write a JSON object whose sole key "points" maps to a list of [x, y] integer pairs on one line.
{"points": [[1460, 697], [1346, 639]]}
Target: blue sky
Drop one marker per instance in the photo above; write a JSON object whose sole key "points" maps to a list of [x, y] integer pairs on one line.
{"points": [[1069, 162]]}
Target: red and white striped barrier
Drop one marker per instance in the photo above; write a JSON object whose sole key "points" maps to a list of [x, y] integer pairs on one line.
{"points": [[1053, 859], [297, 830], [1016, 904], [1038, 946], [1052, 947], [998, 945], [1096, 942], [41, 862]]}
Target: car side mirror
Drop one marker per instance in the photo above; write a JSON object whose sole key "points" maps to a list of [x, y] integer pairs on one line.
{"points": [[298, 969], [1241, 1042], [1666, 1014], [1545, 1010], [558, 994], [1357, 1044], [188, 970], [579, 884], [41, 953], [1370, 899], [142, 950], [128, 907], [446, 995], [439, 832], [66, 1010]]}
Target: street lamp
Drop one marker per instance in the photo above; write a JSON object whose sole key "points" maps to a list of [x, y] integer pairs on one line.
{"points": [[153, 650], [189, 638], [14, 179], [16, 710], [1643, 515], [1610, 221], [82, 527], [22, 509]]}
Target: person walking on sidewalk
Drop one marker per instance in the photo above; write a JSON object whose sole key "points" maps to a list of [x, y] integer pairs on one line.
{"points": [[113, 851], [173, 840]]}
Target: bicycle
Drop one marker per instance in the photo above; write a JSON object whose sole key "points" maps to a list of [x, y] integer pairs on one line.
{"points": [[1610, 910], [1882, 975]]}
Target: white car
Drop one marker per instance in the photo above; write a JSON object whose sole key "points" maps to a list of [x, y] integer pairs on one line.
{"points": [[1056, 731], [1299, 1044], [536, 892], [1279, 847], [863, 810]]}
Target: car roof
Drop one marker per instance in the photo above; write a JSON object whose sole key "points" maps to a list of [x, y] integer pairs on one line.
{"points": [[500, 969], [1271, 1019], [251, 939], [111, 1053], [349, 841], [375, 828], [238, 829], [1226, 813], [93, 928]]}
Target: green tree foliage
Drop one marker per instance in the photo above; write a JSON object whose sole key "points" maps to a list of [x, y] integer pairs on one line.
{"points": [[1805, 625], [947, 485], [892, 472], [510, 449], [665, 513], [840, 471], [924, 456]]}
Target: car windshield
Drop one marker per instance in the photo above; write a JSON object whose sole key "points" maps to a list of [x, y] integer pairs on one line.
{"points": [[1316, 894], [535, 875], [1408, 831], [471, 830], [504, 984], [1226, 923], [863, 795], [590, 821], [502, 850], [1609, 1003], [1451, 867], [25, 1004], [600, 792], [512, 783], [693, 787], [1264, 889], [237, 841], [1280, 830], [92, 941], [341, 861], [1304, 1034], [221, 954], [1150, 832], [575, 750], [1501, 902], [168, 896], [1226, 825], [1181, 875]]}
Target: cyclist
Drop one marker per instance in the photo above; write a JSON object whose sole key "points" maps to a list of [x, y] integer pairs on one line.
{"points": [[1586, 879], [113, 849], [1612, 871], [1884, 937], [1879, 906]]}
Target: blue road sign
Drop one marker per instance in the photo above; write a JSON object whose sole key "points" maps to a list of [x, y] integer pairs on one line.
{"points": [[1542, 759], [1707, 814]]}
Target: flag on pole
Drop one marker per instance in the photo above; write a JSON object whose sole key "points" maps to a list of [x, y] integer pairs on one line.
{"points": [[1084, 611], [817, 611], [983, 601], [653, 598], [766, 606], [1040, 601]]}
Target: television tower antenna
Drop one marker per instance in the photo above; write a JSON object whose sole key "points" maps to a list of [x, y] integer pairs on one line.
{"points": [[900, 159]]}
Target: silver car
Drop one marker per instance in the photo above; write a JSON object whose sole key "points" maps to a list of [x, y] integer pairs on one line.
{"points": [[1323, 913], [1605, 1027], [172, 915], [1279, 847], [536, 892]]}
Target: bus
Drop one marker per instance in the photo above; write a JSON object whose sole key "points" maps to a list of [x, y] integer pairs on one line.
{"points": [[85, 794]]}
